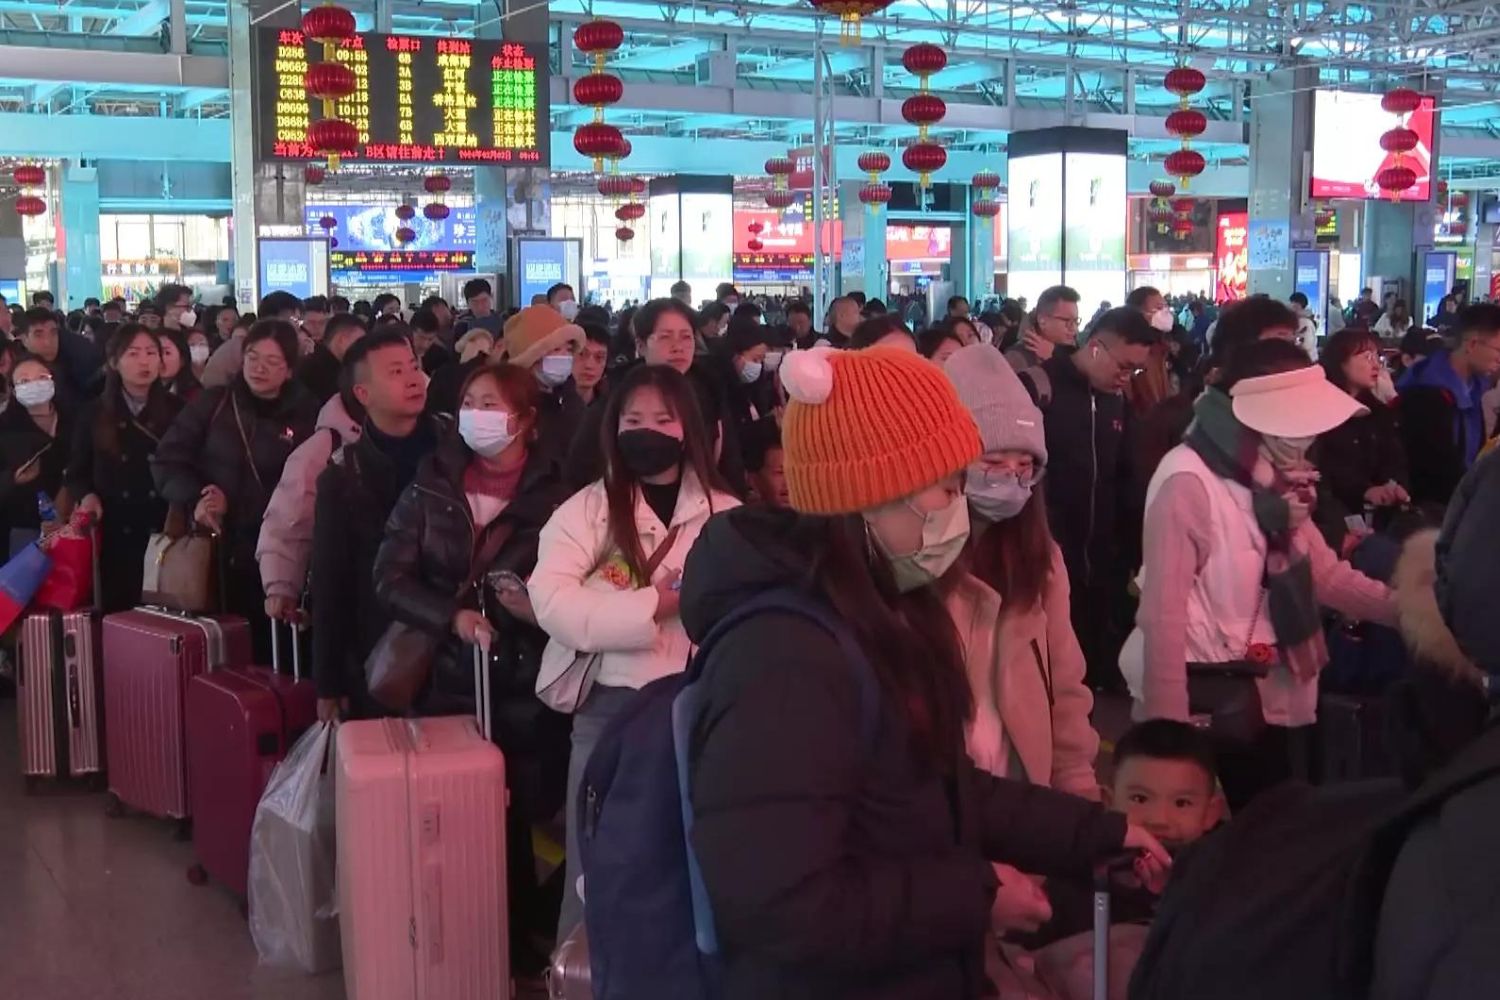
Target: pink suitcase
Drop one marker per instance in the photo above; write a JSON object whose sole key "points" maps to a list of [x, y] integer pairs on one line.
{"points": [[149, 657], [420, 807], [57, 686], [240, 723]]}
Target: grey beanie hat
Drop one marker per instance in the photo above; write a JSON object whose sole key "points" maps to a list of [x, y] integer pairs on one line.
{"points": [[993, 394]]}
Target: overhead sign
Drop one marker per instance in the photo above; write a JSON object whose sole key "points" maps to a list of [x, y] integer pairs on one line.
{"points": [[420, 98], [401, 261], [374, 227]]}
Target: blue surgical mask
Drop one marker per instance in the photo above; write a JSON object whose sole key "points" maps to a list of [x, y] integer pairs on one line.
{"points": [[751, 372], [556, 369], [999, 501]]}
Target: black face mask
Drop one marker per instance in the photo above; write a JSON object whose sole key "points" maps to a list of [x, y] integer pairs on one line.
{"points": [[649, 453]]}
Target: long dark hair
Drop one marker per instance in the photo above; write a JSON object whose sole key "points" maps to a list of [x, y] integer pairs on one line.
{"points": [[909, 639], [620, 487], [1014, 556], [158, 412], [184, 383], [1340, 348]]}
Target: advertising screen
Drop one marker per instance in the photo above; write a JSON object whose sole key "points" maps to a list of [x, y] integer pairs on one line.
{"points": [[1232, 256], [933, 243], [1096, 211], [1346, 146], [419, 98], [1035, 224], [295, 265], [542, 262], [666, 238], [707, 236], [787, 236], [1310, 277], [373, 228]]}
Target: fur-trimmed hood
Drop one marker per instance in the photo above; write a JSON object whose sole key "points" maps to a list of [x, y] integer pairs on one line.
{"points": [[1432, 644]]}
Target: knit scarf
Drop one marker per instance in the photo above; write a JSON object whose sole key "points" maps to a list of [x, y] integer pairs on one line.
{"points": [[1230, 450]]}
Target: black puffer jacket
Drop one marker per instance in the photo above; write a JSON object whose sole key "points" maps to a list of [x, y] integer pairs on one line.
{"points": [[21, 440], [430, 542], [838, 866], [1360, 453]]}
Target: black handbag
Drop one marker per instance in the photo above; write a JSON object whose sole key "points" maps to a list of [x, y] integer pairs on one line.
{"points": [[1224, 697]]}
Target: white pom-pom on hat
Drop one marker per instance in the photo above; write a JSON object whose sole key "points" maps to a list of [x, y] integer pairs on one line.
{"points": [[808, 375]]}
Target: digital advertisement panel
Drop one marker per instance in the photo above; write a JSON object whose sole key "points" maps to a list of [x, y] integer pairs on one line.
{"points": [[666, 236], [1096, 209], [933, 243], [1232, 254], [1438, 268], [295, 265], [1346, 154], [1310, 277], [707, 237], [542, 262], [373, 227], [1035, 224]]}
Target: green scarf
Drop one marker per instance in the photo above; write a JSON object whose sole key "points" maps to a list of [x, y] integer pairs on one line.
{"points": [[1230, 450]]}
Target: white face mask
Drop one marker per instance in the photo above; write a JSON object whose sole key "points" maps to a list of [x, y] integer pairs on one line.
{"points": [[198, 352], [773, 360], [998, 501], [1285, 452], [487, 432], [569, 309], [751, 372], [555, 370], [186, 319], [944, 533], [35, 393], [1162, 320]]}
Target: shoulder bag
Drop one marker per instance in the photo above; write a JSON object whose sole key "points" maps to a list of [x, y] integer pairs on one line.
{"points": [[1225, 695], [567, 676], [179, 569]]}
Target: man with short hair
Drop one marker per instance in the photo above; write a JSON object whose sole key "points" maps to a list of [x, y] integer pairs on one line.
{"points": [[1080, 393], [39, 334], [315, 317], [1366, 310], [683, 292], [727, 295], [319, 371], [1441, 401], [799, 326], [176, 305], [843, 317], [480, 299], [113, 311], [354, 496], [91, 306], [1053, 324], [562, 298], [589, 364], [1307, 325], [225, 363], [958, 307]]}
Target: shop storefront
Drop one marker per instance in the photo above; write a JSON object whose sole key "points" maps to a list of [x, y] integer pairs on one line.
{"points": [[140, 253]]}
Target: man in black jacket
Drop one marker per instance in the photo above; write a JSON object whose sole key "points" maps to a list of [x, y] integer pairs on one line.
{"points": [[319, 371], [1080, 393], [355, 495]]}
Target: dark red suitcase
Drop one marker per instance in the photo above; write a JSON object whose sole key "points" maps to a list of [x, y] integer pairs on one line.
{"points": [[150, 655], [57, 687], [240, 723]]}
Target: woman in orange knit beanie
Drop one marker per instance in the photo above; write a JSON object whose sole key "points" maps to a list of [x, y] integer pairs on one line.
{"points": [[845, 840]]}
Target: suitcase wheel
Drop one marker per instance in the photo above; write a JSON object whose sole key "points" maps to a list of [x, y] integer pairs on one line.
{"points": [[113, 807], [182, 830], [197, 874]]}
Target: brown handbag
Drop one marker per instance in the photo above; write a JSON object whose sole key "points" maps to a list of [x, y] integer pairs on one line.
{"points": [[398, 667], [180, 567]]}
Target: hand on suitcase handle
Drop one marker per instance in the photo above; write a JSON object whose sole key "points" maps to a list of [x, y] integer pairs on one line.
{"points": [[1143, 856]]}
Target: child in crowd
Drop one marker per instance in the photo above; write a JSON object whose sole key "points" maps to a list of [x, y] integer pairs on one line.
{"points": [[764, 463], [1165, 780]]}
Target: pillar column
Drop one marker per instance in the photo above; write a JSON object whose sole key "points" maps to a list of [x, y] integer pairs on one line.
{"points": [[961, 255], [981, 259], [78, 246], [864, 266], [1281, 121], [489, 228], [1390, 228]]}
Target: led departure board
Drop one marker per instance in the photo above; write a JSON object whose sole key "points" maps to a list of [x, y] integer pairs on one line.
{"points": [[419, 98]]}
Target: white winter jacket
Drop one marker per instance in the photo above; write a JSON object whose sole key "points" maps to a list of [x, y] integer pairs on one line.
{"points": [[583, 596]]}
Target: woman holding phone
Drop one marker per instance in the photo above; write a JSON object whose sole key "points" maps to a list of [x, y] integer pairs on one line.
{"points": [[35, 435]]}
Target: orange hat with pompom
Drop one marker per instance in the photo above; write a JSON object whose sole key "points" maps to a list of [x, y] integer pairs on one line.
{"points": [[864, 428]]}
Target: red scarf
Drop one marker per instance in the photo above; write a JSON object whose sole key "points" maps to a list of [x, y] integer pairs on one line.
{"points": [[480, 479]]}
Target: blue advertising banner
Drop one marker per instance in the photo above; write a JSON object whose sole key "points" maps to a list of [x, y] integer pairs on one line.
{"points": [[373, 227], [542, 262], [299, 266], [1437, 280], [1310, 277]]}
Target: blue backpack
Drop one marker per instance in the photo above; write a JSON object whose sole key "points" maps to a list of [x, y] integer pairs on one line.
{"points": [[650, 930]]}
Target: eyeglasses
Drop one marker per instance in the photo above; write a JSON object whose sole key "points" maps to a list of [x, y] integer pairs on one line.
{"points": [[1071, 322], [1120, 366], [987, 474], [270, 363]]}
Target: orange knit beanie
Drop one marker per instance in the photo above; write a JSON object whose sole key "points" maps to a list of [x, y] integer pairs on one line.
{"points": [[864, 428]]}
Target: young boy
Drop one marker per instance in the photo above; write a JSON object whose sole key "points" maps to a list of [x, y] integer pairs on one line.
{"points": [[1165, 780], [760, 443]]}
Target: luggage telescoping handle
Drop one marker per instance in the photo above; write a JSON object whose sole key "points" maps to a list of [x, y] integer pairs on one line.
{"points": [[1104, 873], [482, 689], [276, 650]]}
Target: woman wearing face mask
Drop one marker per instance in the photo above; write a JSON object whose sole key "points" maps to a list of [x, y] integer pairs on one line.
{"points": [[607, 577], [110, 467], [475, 510], [177, 375], [846, 840], [200, 349], [539, 339], [35, 435], [1230, 628]]}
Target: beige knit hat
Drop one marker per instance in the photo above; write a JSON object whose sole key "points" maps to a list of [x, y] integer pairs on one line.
{"points": [[537, 331]]}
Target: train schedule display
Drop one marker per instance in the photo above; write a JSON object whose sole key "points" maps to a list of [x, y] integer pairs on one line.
{"points": [[420, 99]]}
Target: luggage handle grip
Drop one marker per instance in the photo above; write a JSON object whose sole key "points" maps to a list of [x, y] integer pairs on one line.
{"points": [[1104, 872], [482, 690], [276, 650]]}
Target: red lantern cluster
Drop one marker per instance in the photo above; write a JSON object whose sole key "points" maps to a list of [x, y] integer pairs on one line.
{"points": [[754, 244], [30, 175], [436, 211], [314, 174], [1182, 224], [1185, 123], [330, 81], [1455, 223], [986, 183], [1160, 211], [30, 205], [630, 211], [874, 193], [436, 185], [597, 140], [624, 234], [1398, 141], [924, 110], [849, 13], [780, 197]]}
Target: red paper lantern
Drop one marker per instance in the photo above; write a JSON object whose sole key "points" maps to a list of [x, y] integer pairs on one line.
{"points": [[874, 162], [314, 174], [1457, 228], [754, 245], [1401, 101], [924, 159], [755, 228], [630, 211], [875, 194], [437, 184], [780, 166], [333, 136], [30, 205], [436, 211], [1187, 123], [1182, 228], [29, 175], [1185, 164], [637, 184], [615, 185], [328, 23], [986, 209], [1399, 140], [1185, 81], [406, 234], [1162, 189], [329, 80], [624, 234], [849, 13], [327, 223], [781, 199], [986, 180], [924, 59], [625, 149], [1459, 199], [405, 213], [924, 109], [333, 242], [1395, 179], [1183, 206], [598, 37], [598, 89], [599, 141]]}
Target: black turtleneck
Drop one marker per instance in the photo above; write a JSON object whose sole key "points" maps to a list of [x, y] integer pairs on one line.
{"points": [[405, 453]]}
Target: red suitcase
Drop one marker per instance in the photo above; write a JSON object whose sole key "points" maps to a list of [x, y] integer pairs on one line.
{"points": [[149, 657], [57, 687], [240, 723]]}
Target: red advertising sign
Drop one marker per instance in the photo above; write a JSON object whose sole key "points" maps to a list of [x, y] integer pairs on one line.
{"points": [[785, 236], [1346, 155], [1232, 255], [918, 242]]}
